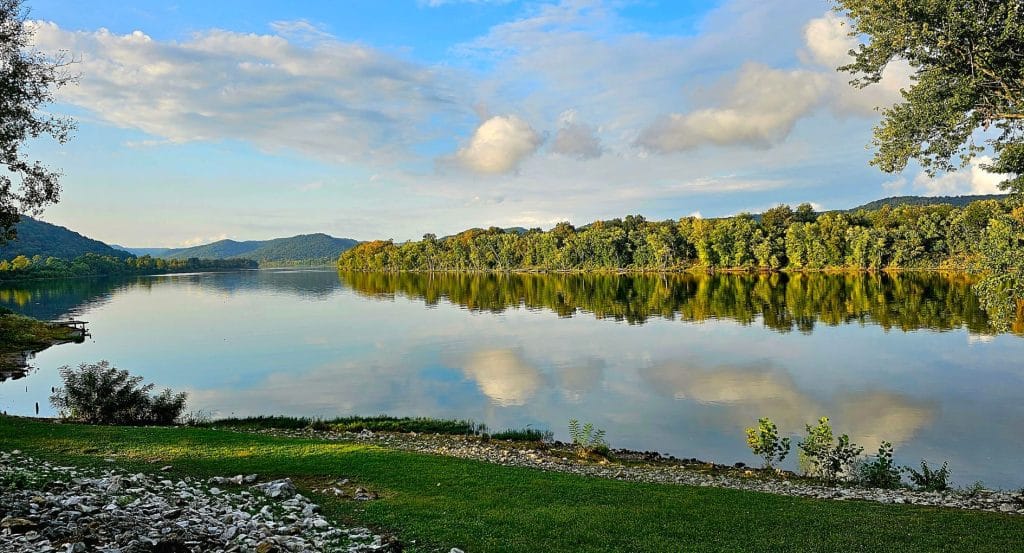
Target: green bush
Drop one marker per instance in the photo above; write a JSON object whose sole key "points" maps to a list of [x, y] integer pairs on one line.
{"points": [[928, 479], [764, 441], [880, 472], [102, 394], [825, 456], [524, 435], [587, 440]]}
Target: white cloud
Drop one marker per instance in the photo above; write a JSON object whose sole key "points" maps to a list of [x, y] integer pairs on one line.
{"points": [[499, 145], [201, 240], [760, 109], [829, 43], [329, 99], [576, 139], [970, 180]]}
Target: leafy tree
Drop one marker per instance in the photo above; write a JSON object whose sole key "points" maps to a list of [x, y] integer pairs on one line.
{"points": [[968, 76], [28, 79], [765, 442]]}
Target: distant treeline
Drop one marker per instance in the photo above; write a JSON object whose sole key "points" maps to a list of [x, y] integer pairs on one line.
{"points": [[781, 301], [25, 268], [906, 237]]}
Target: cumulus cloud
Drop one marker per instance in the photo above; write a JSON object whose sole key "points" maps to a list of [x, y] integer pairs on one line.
{"points": [[760, 109], [499, 145], [326, 98], [504, 376], [829, 44], [973, 179], [576, 139], [829, 41]]}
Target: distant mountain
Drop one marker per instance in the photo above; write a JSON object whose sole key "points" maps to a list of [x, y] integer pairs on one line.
{"points": [[296, 248], [956, 201], [38, 238], [152, 252]]}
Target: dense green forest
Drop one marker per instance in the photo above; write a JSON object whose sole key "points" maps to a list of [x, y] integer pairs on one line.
{"points": [[279, 251], [907, 237], [781, 301], [25, 268], [40, 238]]}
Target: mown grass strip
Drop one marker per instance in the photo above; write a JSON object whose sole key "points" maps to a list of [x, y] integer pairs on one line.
{"points": [[480, 507]]}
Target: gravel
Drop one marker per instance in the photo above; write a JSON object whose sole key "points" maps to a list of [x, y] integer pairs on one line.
{"points": [[46, 508]]}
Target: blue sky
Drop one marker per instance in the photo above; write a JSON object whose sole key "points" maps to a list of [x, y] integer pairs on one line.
{"points": [[375, 119]]}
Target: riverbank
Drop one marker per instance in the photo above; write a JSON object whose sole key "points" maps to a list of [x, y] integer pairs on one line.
{"points": [[434, 502], [655, 468], [23, 337], [19, 333]]}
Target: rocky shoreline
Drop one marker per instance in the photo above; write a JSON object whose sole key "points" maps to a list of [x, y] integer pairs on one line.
{"points": [[45, 508], [650, 467]]}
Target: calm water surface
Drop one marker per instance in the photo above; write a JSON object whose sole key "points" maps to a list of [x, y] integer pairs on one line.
{"points": [[679, 364]]}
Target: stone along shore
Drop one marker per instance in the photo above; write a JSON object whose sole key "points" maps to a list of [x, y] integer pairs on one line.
{"points": [[651, 467], [45, 508]]}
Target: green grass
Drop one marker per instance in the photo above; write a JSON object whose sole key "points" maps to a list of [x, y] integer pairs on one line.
{"points": [[19, 333], [443, 502], [382, 423]]}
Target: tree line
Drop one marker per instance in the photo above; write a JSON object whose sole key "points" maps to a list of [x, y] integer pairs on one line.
{"points": [[782, 238], [90, 264]]}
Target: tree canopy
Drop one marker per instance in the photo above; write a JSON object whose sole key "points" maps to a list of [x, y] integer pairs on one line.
{"points": [[28, 80], [967, 58]]}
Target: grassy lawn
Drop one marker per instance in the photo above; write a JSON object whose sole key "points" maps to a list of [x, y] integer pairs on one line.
{"points": [[480, 507]]}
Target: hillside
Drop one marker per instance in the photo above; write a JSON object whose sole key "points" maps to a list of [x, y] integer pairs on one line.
{"points": [[955, 201], [39, 238], [295, 248]]}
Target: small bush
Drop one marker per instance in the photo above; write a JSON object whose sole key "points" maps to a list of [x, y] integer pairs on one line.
{"points": [[587, 440], [764, 441], [880, 472], [101, 394], [928, 479], [825, 456]]}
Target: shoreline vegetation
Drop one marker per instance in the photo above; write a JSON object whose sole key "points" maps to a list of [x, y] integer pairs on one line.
{"points": [[984, 237], [22, 337], [23, 268], [906, 237], [431, 491]]}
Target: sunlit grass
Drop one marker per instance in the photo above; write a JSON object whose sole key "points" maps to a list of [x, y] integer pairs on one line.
{"points": [[443, 502]]}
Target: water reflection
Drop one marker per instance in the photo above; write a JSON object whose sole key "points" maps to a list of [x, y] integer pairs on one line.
{"points": [[746, 394], [503, 376], [513, 350], [783, 302]]}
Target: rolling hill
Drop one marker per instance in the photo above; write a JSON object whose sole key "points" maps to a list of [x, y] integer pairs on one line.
{"points": [[956, 201], [296, 248], [36, 237]]}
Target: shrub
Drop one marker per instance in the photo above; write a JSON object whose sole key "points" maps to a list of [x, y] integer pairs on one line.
{"points": [[102, 394], [825, 456], [587, 440], [928, 479], [764, 441], [524, 435], [880, 472]]}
